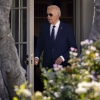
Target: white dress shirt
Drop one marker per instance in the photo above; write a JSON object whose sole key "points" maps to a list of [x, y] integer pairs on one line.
{"points": [[55, 29], [55, 33]]}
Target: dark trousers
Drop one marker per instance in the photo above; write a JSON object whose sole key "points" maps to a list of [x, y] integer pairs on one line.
{"points": [[38, 84]]}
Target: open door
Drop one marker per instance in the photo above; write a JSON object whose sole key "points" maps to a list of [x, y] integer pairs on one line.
{"points": [[22, 27]]}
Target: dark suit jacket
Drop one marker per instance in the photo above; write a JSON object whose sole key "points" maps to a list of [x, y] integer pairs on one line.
{"points": [[64, 40]]}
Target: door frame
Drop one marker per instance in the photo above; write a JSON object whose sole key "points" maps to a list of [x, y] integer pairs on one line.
{"points": [[30, 39]]}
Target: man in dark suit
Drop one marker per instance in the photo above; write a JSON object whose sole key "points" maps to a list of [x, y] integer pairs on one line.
{"points": [[55, 47]]}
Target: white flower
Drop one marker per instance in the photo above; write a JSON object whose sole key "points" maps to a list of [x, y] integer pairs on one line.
{"points": [[96, 54], [62, 69], [94, 83], [73, 75], [86, 72], [27, 93], [82, 43], [81, 90], [87, 52], [91, 41], [62, 87], [82, 64], [44, 98], [48, 98], [55, 65], [93, 48], [86, 41], [75, 54], [50, 81], [96, 94], [85, 85], [60, 66], [71, 52], [56, 94], [56, 68], [38, 93]]}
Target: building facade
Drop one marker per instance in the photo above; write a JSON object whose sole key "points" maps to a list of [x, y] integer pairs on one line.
{"points": [[24, 24]]}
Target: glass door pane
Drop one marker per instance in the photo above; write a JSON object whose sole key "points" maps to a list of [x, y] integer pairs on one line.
{"points": [[23, 3], [23, 33], [23, 52], [15, 3], [23, 23], [15, 24], [19, 29]]}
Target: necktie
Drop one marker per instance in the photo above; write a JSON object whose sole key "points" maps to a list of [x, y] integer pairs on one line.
{"points": [[52, 38]]}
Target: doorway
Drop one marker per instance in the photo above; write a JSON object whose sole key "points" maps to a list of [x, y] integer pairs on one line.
{"points": [[22, 27]]}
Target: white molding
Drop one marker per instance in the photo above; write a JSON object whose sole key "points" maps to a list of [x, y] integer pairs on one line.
{"points": [[30, 37]]}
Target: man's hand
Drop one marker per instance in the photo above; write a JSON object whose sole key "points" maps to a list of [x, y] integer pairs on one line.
{"points": [[36, 61], [58, 61]]}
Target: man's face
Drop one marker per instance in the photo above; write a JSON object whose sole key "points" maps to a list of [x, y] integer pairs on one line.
{"points": [[52, 15]]}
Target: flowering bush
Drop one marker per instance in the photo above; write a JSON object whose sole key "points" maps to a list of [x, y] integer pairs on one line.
{"points": [[23, 92], [79, 81]]}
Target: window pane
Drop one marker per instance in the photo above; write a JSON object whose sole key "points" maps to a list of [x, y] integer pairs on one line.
{"points": [[23, 3], [15, 26], [23, 23], [23, 55], [15, 3]]}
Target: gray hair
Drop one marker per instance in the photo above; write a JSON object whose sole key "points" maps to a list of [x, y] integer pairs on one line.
{"points": [[56, 7]]}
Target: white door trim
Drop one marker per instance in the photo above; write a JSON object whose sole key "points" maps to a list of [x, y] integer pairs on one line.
{"points": [[30, 37]]}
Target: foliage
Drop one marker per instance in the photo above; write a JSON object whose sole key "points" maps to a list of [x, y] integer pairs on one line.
{"points": [[80, 81], [23, 92]]}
